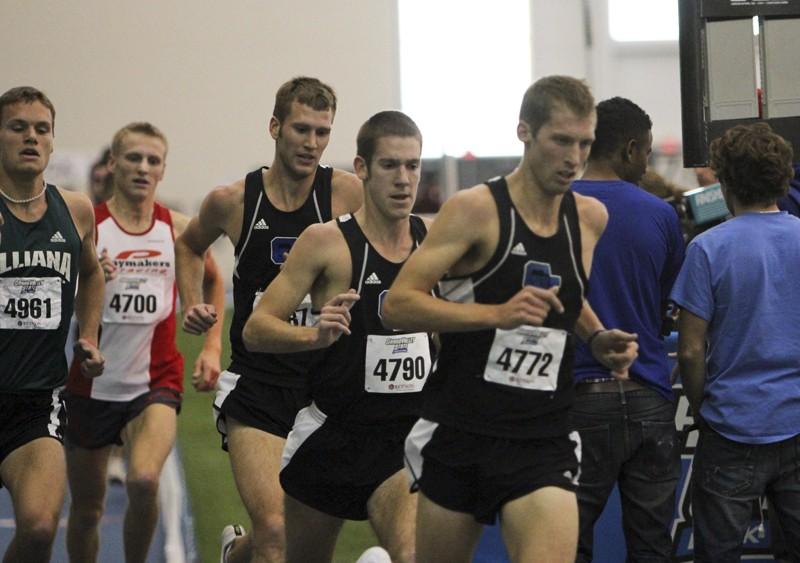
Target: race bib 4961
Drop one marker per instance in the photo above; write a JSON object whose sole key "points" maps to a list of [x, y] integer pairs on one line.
{"points": [[30, 303]]}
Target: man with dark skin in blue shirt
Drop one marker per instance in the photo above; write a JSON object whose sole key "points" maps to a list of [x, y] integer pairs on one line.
{"points": [[627, 427]]}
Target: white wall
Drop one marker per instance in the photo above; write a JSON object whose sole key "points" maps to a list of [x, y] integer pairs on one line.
{"points": [[204, 71], [648, 74]]}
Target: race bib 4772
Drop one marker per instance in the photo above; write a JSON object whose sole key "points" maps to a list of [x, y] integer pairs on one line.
{"points": [[527, 357]]}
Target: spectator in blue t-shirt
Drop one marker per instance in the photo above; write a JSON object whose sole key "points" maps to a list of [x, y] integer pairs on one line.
{"points": [[739, 348], [627, 427]]}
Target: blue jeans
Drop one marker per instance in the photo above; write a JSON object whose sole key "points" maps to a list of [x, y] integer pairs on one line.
{"points": [[727, 478], [629, 438]]}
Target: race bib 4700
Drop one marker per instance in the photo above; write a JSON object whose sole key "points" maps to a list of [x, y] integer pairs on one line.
{"points": [[134, 300]]}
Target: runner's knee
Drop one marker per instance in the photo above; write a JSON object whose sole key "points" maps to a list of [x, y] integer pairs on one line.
{"points": [[85, 514], [37, 529], [143, 485]]}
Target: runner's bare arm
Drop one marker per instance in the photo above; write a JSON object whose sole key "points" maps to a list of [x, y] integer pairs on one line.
{"points": [[267, 329], [207, 366], [91, 287], [218, 214]]}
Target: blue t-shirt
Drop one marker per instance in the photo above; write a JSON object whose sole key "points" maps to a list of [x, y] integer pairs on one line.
{"points": [[741, 277], [634, 266]]}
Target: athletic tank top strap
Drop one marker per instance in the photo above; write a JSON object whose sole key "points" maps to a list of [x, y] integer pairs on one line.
{"points": [[253, 194], [498, 187], [321, 194], [163, 214], [101, 212], [418, 230], [499, 190], [359, 248]]}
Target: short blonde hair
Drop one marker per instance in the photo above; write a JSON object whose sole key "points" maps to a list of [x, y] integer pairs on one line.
{"points": [[142, 127]]}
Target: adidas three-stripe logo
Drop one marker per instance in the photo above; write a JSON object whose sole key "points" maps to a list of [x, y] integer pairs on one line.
{"points": [[261, 225], [373, 279], [58, 237]]}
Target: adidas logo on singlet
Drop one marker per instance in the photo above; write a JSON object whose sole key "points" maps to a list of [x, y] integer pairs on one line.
{"points": [[58, 237], [519, 250], [373, 279], [261, 225]]}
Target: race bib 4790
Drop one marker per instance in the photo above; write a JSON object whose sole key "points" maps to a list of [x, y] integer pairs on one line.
{"points": [[397, 363]]}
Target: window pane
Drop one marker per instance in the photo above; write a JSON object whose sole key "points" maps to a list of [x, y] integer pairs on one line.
{"points": [[640, 20], [464, 66]]}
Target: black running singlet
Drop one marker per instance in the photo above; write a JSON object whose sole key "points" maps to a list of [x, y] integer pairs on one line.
{"points": [[374, 375], [267, 235], [38, 275], [513, 383]]}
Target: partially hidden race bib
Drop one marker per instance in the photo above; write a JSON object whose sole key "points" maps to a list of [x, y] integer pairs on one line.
{"points": [[302, 316], [526, 357], [397, 363], [133, 299], [30, 303]]}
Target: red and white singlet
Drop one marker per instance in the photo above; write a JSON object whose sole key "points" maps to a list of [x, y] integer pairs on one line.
{"points": [[138, 325]]}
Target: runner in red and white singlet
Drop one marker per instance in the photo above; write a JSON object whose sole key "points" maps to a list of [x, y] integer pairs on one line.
{"points": [[138, 402], [139, 312]]}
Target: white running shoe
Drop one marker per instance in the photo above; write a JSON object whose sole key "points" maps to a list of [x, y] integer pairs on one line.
{"points": [[229, 534], [116, 470], [375, 554]]}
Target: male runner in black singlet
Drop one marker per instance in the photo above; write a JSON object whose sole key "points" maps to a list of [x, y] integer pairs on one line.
{"points": [[343, 459], [263, 214], [494, 438], [46, 243]]}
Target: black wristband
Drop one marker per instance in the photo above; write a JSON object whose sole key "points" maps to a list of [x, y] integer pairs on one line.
{"points": [[593, 336]]}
